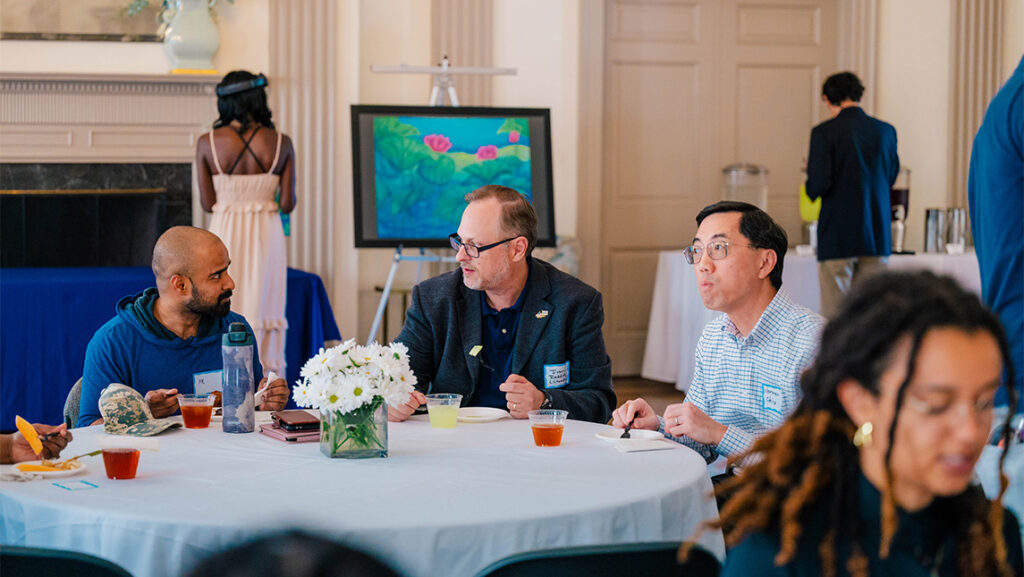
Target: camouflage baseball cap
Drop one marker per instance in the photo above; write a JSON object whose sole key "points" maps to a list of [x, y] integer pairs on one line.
{"points": [[125, 412]]}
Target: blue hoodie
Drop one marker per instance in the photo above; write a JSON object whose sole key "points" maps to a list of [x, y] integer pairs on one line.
{"points": [[133, 348]]}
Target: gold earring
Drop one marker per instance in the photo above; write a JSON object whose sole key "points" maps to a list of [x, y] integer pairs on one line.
{"points": [[862, 437]]}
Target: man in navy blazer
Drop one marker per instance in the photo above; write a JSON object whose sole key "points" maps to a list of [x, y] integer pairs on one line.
{"points": [[507, 330], [852, 165]]}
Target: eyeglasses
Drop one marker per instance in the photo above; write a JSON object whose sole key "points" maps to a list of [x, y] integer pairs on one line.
{"points": [[980, 407], [472, 250], [716, 250]]}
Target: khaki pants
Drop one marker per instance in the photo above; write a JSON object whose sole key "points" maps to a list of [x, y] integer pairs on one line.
{"points": [[837, 275]]}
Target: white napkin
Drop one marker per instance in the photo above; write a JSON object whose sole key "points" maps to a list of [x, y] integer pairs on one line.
{"points": [[258, 398], [630, 445]]}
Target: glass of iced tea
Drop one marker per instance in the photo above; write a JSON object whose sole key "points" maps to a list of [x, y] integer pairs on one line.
{"points": [[121, 463], [196, 410], [443, 409], [547, 425]]}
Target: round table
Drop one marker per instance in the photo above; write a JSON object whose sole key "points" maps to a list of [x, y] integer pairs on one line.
{"points": [[444, 502]]}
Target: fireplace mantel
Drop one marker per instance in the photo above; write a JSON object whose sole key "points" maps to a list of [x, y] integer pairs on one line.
{"points": [[68, 118]]}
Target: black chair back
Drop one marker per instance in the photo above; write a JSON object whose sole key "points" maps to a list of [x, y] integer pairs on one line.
{"points": [[36, 562], [608, 560]]}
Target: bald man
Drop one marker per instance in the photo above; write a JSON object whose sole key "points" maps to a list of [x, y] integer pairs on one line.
{"points": [[167, 339]]}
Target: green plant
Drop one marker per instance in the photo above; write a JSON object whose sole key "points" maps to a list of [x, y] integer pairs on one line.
{"points": [[168, 8]]}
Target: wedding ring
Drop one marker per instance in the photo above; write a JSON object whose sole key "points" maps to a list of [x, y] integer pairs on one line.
{"points": [[676, 420], [514, 405]]}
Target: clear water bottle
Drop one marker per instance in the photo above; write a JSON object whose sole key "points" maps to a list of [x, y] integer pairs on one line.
{"points": [[238, 380]]}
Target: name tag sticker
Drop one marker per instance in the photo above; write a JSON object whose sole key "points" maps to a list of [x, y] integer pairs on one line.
{"points": [[556, 376], [771, 397], [207, 382]]}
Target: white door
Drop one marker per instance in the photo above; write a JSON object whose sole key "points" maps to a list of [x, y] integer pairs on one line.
{"points": [[690, 87]]}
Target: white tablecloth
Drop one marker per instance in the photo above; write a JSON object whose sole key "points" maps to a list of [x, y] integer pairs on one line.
{"points": [[987, 471], [678, 315], [445, 502]]}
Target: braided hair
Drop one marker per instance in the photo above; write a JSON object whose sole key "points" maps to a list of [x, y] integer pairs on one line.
{"points": [[810, 459], [247, 106]]}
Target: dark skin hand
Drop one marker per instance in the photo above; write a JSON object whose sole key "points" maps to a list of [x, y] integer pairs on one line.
{"points": [[276, 396]]}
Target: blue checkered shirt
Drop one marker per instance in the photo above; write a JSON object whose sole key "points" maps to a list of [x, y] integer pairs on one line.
{"points": [[751, 384]]}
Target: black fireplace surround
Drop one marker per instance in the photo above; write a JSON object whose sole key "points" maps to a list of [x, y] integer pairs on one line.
{"points": [[73, 215]]}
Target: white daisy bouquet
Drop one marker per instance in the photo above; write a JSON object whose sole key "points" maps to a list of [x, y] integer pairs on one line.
{"points": [[348, 384]]}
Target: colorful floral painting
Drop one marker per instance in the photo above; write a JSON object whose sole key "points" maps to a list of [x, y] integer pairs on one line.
{"points": [[423, 166]]}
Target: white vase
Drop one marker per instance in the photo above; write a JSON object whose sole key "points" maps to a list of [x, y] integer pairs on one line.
{"points": [[192, 38]]}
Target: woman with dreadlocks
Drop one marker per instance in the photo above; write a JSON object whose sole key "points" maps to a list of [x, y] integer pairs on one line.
{"points": [[872, 473], [246, 176]]}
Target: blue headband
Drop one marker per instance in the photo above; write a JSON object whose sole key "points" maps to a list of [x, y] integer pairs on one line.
{"points": [[228, 89]]}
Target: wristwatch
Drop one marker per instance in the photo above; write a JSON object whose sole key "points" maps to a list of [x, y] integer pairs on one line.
{"points": [[546, 403]]}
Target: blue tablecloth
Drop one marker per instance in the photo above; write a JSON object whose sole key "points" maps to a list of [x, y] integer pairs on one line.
{"points": [[48, 315]]}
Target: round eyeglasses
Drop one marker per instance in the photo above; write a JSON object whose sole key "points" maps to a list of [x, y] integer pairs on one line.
{"points": [[472, 250]]}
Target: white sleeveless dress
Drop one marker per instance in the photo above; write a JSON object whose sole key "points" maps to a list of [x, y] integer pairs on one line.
{"points": [[245, 217]]}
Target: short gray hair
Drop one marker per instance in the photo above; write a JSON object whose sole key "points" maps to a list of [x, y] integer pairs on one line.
{"points": [[517, 214]]}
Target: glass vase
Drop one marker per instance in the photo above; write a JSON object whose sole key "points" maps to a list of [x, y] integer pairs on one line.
{"points": [[358, 434]]}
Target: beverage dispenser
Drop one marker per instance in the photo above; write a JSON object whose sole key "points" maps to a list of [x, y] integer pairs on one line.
{"points": [[747, 183]]}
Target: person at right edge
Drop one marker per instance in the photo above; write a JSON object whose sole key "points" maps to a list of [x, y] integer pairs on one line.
{"points": [[873, 474], [851, 166], [995, 193]]}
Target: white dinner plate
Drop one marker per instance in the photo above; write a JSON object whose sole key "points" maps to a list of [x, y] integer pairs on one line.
{"points": [[52, 474], [481, 414], [616, 434]]}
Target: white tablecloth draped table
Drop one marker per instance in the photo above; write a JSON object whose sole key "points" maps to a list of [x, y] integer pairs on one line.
{"points": [[445, 502], [678, 315], [987, 471]]}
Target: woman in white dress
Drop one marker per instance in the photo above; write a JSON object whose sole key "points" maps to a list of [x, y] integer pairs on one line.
{"points": [[246, 171]]}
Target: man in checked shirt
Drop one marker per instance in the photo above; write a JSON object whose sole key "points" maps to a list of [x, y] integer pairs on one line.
{"points": [[746, 379]]}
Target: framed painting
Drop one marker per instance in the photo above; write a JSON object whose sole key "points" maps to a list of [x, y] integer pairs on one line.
{"points": [[95, 20]]}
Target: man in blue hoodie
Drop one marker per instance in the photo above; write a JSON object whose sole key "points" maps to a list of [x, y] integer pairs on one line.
{"points": [[166, 339]]}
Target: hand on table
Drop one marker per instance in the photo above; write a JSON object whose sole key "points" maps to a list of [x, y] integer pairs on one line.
{"points": [[638, 412], [276, 396], [162, 402], [21, 451], [399, 413], [521, 396], [684, 419]]}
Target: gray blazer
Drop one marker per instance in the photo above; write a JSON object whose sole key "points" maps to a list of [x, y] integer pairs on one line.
{"points": [[560, 322]]}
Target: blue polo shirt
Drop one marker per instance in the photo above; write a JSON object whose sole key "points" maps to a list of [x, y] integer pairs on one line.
{"points": [[498, 335]]}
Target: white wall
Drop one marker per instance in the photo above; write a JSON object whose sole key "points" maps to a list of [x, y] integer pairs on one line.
{"points": [[1013, 35], [547, 59], [244, 29], [391, 32], [345, 285], [913, 95]]}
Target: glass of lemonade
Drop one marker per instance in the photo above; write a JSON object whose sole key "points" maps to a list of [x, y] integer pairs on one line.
{"points": [[548, 425], [196, 410], [443, 409]]}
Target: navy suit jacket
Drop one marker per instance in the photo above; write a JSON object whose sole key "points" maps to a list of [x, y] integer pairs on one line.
{"points": [[852, 165], [560, 322]]}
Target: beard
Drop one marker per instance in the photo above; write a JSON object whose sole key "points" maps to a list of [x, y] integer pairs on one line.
{"points": [[497, 278], [218, 308]]}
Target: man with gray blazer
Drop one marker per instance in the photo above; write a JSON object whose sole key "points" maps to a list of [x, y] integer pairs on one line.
{"points": [[507, 330]]}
